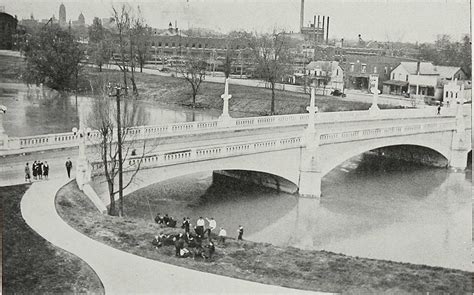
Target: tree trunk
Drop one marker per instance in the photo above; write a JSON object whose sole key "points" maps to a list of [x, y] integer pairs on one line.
{"points": [[194, 98], [141, 67], [100, 68], [272, 107], [111, 210]]}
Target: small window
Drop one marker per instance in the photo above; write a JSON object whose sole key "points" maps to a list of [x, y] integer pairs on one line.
{"points": [[364, 69], [406, 78], [386, 70], [393, 76], [456, 95], [200, 46], [153, 43], [194, 45], [166, 44], [375, 70], [337, 72], [159, 44], [352, 67], [173, 45], [447, 94]]}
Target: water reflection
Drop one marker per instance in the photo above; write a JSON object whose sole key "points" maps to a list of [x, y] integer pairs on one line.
{"points": [[33, 111], [420, 215]]}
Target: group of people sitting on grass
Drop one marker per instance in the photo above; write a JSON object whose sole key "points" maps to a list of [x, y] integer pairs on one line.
{"points": [[192, 244], [186, 245]]}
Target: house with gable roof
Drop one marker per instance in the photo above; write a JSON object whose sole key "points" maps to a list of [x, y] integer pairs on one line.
{"points": [[422, 79]]}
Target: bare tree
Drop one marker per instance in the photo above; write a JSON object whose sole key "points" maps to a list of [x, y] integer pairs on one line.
{"points": [[122, 23], [194, 72], [141, 39], [114, 122], [272, 59]]}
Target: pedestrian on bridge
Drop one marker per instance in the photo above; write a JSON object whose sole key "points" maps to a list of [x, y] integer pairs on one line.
{"points": [[68, 167]]}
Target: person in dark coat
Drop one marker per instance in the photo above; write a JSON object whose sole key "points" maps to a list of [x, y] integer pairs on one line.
{"points": [[179, 244], [241, 232], [34, 170], [39, 172], [46, 170], [68, 167]]}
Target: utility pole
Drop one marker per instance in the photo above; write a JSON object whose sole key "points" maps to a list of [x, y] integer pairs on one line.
{"points": [[119, 147]]}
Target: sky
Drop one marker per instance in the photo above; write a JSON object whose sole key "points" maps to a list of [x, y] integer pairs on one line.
{"points": [[381, 20]]}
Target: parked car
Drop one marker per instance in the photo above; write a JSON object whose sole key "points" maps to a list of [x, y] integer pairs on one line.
{"points": [[337, 92]]}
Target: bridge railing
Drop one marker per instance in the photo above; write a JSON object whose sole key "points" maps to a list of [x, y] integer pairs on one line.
{"points": [[191, 154], [68, 139]]}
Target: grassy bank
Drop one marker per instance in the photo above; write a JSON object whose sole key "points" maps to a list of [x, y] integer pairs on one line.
{"points": [[171, 90], [260, 262], [33, 265], [245, 99]]}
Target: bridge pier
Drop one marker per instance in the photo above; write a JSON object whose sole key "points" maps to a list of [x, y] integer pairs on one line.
{"points": [[458, 159], [310, 184]]}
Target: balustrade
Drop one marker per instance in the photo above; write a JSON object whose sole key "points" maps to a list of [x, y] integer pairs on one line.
{"points": [[143, 132]]}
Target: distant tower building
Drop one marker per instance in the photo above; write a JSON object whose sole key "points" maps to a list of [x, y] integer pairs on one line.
{"points": [[62, 15], [81, 19]]}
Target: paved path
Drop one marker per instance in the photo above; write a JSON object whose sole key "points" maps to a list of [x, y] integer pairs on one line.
{"points": [[121, 272]]}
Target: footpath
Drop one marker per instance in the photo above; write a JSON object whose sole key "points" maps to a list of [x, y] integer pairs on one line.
{"points": [[121, 272]]}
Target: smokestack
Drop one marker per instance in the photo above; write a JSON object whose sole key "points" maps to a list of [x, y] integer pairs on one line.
{"points": [[314, 29], [301, 16], [327, 30], [317, 31], [322, 35]]}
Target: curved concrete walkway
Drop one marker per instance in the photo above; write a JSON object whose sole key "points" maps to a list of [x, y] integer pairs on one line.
{"points": [[121, 272]]}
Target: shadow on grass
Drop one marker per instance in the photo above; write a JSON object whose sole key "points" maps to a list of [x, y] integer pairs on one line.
{"points": [[33, 265]]}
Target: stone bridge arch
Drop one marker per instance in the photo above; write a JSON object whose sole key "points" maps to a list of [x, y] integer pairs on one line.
{"points": [[335, 155], [283, 163]]}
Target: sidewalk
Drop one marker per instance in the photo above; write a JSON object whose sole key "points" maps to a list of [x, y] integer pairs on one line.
{"points": [[121, 272]]}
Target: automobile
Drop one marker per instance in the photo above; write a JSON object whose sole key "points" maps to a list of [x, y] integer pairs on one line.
{"points": [[337, 92]]}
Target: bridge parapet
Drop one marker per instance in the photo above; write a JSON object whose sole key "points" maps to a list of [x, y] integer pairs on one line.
{"points": [[68, 139], [190, 154]]}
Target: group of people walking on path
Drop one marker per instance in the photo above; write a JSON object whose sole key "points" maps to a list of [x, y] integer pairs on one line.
{"points": [[39, 170], [192, 240]]}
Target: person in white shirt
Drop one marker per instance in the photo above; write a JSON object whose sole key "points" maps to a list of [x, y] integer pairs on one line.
{"points": [[212, 226], [222, 235], [200, 227]]}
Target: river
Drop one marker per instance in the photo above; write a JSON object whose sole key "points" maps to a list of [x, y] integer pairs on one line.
{"points": [[399, 212]]}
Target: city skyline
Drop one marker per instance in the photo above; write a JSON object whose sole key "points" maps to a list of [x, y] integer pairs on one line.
{"points": [[374, 20]]}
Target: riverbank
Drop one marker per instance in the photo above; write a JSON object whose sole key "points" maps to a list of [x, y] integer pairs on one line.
{"points": [[261, 262], [31, 264], [245, 101]]}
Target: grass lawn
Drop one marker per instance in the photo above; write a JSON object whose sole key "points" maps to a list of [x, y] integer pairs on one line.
{"points": [[31, 265], [261, 262]]}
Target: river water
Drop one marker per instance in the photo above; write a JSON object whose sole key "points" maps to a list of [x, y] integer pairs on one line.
{"points": [[399, 211]]}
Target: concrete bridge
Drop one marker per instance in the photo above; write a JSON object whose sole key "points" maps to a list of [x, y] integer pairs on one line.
{"points": [[299, 148]]}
